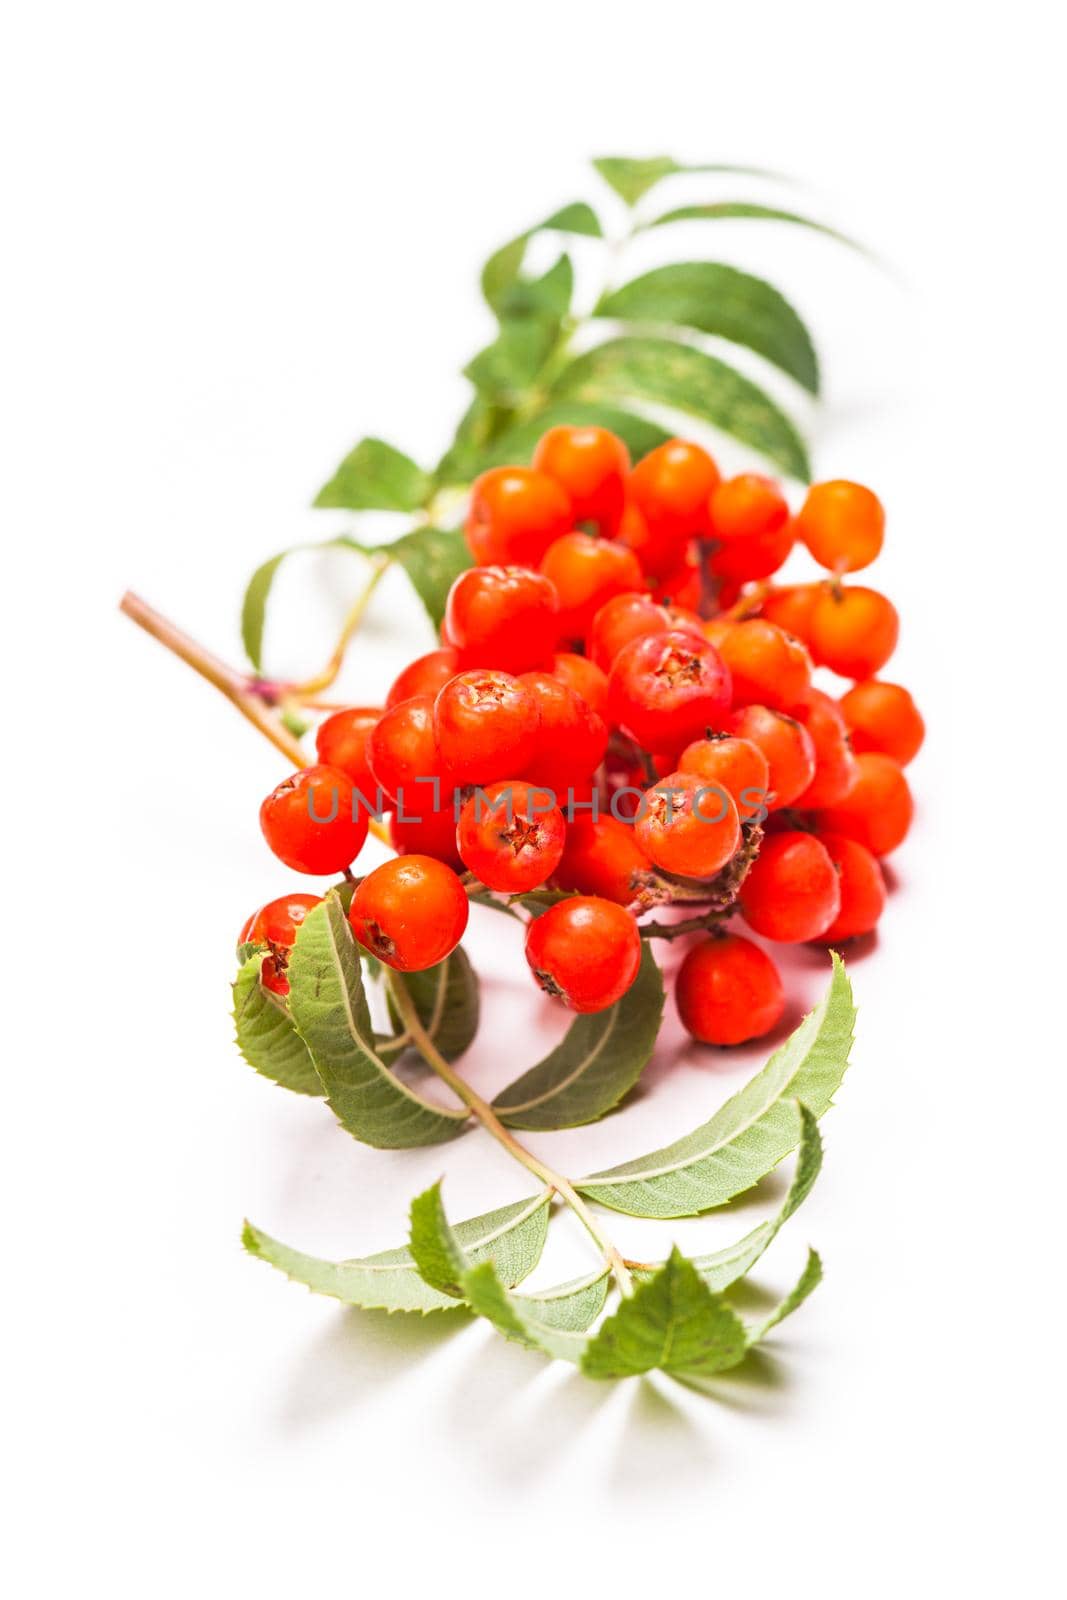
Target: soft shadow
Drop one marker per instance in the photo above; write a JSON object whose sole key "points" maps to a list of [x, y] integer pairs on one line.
{"points": [[360, 1351], [761, 1384], [661, 1442]]}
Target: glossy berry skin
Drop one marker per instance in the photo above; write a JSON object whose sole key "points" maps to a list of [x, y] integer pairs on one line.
{"points": [[863, 892], [341, 741], [749, 521], [427, 674], [502, 617], [426, 830], [403, 750], [791, 607], [511, 835], [835, 764], [591, 465], [728, 990], [787, 746], [792, 891], [666, 689], [768, 667], [584, 677], [571, 739], [884, 717], [585, 573], [736, 765], [275, 926], [601, 856], [312, 823], [515, 513], [688, 826], [842, 524], [410, 912], [620, 619], [852, 631], [670, 489], [486, 726], [585, 951], [683, 585], [877, 808]]}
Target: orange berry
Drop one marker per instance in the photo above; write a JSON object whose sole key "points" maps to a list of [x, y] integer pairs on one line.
{"points": [[876, 809], [728, 990], [687, 826], [584, 677], [670, 489], [587, 572], [749, 521], [853, 631], [591, 465], [842, 524], [791, 607], [515, 514], [883, 716], [736, 765], [863, 892], [767, 666], [787, 745], [835, 765]]}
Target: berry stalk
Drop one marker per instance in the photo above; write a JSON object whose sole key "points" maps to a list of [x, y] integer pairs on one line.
{"points": [[492, 1124]]}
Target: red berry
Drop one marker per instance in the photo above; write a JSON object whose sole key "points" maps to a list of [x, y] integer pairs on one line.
{"points": [[767, 666], [620, 619], [683, 586], [403, 753], [863, 892], [736, 765], [728, 990], [835, 765], [601, 856], [877, 808], [410, 912], [511, 836], [427, 674], [792, 891], [571, 739], [585, 951], [787, 745], [791, 607], [423, 829], [590, 464], [515, 513], [586, 572], [852, 631], [486, 725], [584, 677], [670, 488], [749, 522], [275, 926], [342, 740], [688, 826], [312, 823], [842, 524], [502, 617], [884, 717], [667, 688]]}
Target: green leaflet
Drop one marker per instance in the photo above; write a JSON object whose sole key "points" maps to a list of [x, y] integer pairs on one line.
{"points": [[512, 1238], [505, 369], [266, 1036], [329, 1008], [502, 285], [376, 477], [254, 608], [570, 1307], [598, 1061], [744, 209], [720, 300], [750, 1134], [433, 559], [631, 178], [672, 1323], [447, 1002], [685, 378]]}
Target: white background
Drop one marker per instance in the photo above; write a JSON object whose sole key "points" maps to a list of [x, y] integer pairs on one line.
{"points": [[237, 238]]}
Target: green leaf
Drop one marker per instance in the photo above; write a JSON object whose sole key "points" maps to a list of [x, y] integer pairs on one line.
{"points": [[671, 1323], [433, 559], [266, 1036], [809, 1279], [502, 284], [632, 178], [720, 300], [447, 1001], [434, 1247], [376, 477], [570, 1307], [329, 1008], [598, 1061], [511, 1237], [254, 608], [486, 1295], [751, 1133], [504, 370], [742, 209], [680, 376]]}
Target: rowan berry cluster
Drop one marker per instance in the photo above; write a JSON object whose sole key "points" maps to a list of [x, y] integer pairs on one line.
{"points": [[622, 708]]}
